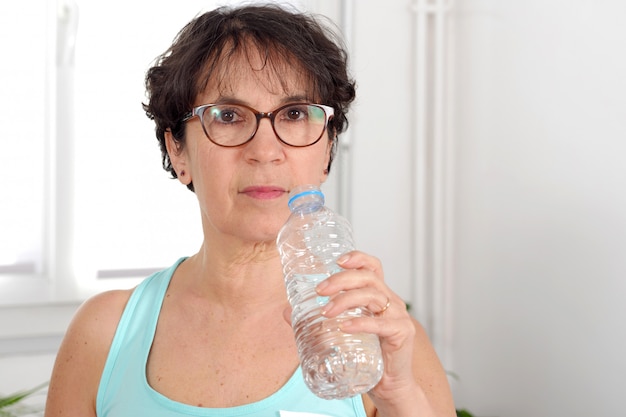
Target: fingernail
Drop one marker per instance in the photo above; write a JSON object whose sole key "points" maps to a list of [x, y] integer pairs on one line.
{"points": [[321, 286], [343, 259], [345, 324], [327, 308]]}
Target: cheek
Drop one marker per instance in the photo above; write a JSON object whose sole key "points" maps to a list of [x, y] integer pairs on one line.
{"points": [[311, 168], [216, 171], [205, 169], [327, 156]]}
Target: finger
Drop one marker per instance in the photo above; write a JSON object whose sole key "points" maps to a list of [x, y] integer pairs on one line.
{"points": [[287, 314], [349, 279], [361, 260], [368, 297], [393, 331], [385, 307]]}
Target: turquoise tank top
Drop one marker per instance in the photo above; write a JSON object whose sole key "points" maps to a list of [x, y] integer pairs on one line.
{"points": [[124, 389]]}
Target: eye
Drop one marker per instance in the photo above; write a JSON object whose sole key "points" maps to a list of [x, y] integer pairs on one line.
{"points": [[296, 113], [225, 115]]}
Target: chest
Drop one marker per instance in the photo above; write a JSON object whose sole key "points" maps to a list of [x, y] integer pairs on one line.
{"points": [[212, 362]]}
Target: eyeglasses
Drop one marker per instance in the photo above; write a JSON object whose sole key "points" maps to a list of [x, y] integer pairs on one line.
{"points": [[230, 125]]}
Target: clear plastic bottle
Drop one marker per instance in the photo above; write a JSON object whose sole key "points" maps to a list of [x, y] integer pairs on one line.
{"points": [[334, 364]]}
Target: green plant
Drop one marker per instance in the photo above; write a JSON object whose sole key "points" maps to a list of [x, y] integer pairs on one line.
{"points": [[12, 406]]}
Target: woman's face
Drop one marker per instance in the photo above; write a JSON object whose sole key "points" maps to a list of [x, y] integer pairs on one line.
{"points": [[243, 191]]}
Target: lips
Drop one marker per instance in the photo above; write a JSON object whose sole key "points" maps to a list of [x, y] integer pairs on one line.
{"points": [[264, 192]]}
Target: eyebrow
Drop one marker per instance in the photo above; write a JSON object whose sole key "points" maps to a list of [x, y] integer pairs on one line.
{"points": [[299, 98]]}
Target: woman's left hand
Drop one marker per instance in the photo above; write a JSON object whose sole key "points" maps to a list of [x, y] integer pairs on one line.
{"points": [[413, 380], [362, 285]]}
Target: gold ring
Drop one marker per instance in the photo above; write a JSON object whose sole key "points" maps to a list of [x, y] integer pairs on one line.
{"points": [[384, 308]]}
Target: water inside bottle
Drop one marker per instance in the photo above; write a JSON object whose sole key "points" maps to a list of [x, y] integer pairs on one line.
{"points": [[335, 364]]}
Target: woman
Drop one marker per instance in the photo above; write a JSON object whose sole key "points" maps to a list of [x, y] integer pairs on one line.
{"points": [[211, 336]]}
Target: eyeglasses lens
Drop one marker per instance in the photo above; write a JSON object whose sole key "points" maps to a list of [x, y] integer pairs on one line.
{"points": [[233, 125]]}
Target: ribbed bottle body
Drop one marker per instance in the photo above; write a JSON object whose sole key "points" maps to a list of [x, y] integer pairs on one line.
{"points": [[335, 364]]}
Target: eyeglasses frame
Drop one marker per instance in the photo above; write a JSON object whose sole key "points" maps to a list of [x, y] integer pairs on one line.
{"points": [[198, 111]]}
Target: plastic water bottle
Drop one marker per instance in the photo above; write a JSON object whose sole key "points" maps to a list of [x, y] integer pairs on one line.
{"points": [[334, 364]]}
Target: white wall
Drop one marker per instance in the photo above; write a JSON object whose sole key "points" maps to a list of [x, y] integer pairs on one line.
{"points": [[380, 129], [541, 207], [539, 215]]}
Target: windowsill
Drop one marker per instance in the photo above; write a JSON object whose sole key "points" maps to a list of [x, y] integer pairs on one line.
{"points": [[27, 290], [34, 328], [35, 313]]}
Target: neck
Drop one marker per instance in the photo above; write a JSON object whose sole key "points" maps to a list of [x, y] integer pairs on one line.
{"points": [[239, 276]]}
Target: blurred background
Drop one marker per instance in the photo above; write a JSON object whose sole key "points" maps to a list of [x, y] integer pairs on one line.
{"points": [[484, 165]]}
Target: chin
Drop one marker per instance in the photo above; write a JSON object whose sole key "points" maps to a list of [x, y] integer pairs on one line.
{"points": [[262, 231]]}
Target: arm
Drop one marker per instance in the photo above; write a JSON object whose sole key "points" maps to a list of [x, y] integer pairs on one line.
{"points": [[82, 355], [428, 396]]}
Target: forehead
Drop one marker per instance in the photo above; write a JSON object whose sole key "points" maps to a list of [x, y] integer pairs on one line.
{"points": [[249, 70]]}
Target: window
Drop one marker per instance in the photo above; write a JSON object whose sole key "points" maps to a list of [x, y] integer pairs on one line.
{"points": [[23, 116], [85, 204]]}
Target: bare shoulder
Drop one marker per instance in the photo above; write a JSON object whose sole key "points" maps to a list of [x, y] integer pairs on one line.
{"points": [[83, 353], [106, 307], [95, 322]]}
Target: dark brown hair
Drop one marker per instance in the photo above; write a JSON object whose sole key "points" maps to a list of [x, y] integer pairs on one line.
{"points": [[283, 37]]}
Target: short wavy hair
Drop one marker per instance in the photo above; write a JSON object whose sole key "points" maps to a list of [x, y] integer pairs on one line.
{"points": [[286, 38]]}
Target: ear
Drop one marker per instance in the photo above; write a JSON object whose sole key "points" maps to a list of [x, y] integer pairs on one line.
{"points": [[177, 157], [331, 143]]}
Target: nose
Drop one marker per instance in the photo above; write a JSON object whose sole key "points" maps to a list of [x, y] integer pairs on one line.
{"points": [[265, 145]]}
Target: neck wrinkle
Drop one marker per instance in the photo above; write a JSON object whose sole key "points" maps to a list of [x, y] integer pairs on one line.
{"points": [[243, 278]]}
